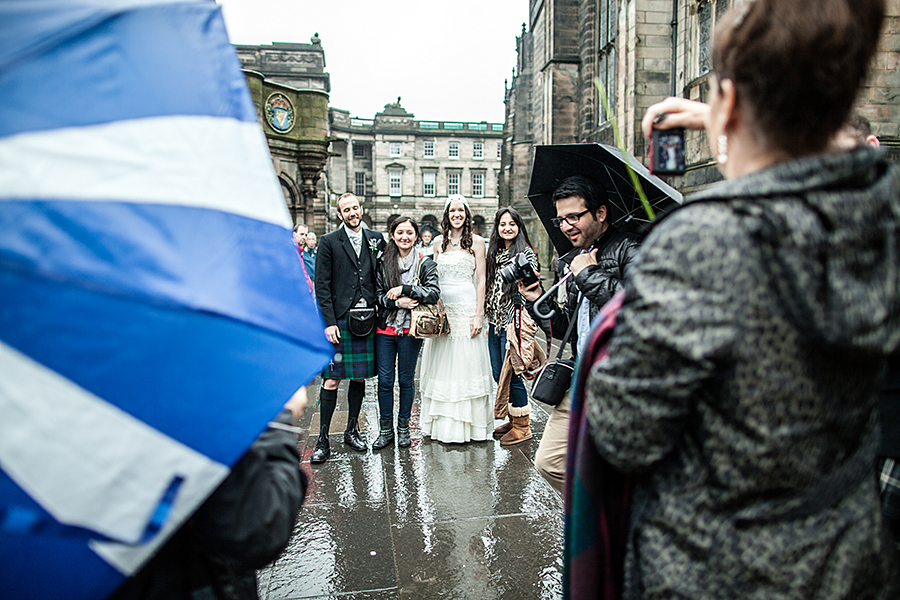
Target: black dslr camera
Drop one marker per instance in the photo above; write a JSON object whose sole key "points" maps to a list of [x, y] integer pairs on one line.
{"points": [[519, 269]]}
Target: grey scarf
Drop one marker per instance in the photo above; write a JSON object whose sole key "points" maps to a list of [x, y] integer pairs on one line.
{"points": [[409, 266]]}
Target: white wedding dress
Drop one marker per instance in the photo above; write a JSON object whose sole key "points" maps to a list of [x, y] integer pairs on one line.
{"points": [[457, 388]]}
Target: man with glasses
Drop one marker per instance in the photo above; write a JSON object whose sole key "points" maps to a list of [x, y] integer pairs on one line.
{"points": [[598, 263]]}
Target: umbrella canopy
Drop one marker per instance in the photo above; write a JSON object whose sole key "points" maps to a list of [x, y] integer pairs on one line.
{"points": [[606, 166], [153, 312]]}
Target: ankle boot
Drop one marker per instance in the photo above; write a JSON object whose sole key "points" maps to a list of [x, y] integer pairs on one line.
{"points": [[323, 449], [385, 437], [403, 439], [503, 429], [352, 437], [521, 431]]}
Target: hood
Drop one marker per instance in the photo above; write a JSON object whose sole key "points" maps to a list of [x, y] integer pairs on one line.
{"points": [[829, 228]]}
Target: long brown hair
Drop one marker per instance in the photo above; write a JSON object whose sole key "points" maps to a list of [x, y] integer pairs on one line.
{"points": [[496, 244], [392, 252], [465, 242]]}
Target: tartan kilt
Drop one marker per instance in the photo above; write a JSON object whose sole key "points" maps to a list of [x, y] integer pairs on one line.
{"points": [[354, 356]]}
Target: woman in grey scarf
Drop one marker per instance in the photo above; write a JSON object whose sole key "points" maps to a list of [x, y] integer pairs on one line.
{"points": [[404, 278]]}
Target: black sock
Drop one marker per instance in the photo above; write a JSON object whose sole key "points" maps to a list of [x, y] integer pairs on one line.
{"points": [[327, 402], [355, 395]]}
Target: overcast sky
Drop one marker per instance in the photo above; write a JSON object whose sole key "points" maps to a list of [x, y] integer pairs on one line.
{"points": [[446, 59]]}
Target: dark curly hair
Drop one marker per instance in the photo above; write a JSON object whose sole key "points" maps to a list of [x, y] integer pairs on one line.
{"points": [[465, 241]]}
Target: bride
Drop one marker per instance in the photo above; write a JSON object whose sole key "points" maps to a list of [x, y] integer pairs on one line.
{"points": [[456, 382]]}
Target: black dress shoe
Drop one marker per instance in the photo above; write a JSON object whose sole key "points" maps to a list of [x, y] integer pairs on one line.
{"points": [[353, 439], [323, 448]]}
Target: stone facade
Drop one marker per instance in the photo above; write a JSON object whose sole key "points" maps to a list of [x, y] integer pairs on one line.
{"points": [[643, 51], [398, 165], [290, 90]]}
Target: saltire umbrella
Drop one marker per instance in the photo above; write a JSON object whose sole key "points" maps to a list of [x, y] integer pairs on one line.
{"points": [[606, 166], [153, 313]]}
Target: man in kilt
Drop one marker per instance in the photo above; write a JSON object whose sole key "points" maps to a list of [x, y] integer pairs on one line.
{"points": [[345, 289]]}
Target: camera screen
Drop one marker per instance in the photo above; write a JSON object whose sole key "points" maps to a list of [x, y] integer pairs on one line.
{"points": [[668, 151]]}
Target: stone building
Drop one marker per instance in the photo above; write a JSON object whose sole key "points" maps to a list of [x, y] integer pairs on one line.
{"points": [[398, 165], [290, 88], [642, 51]]}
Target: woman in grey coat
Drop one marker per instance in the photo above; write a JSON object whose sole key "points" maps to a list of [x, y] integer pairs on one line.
{"points": [[741, 378]]}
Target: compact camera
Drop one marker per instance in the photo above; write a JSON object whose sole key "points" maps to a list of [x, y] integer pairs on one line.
{"points": [[667, 151], [519, 269]]}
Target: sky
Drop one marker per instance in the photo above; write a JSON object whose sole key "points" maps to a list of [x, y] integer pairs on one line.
{"points": [[445, 59]]}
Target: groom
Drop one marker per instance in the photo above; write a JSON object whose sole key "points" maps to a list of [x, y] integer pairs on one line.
{"points": [[345, 280]]}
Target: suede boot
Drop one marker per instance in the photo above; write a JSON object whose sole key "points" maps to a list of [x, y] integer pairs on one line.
{"points": [[521, 426], [327, 402], [403, 439], [385, 437], [503, 429], [355, 394]]}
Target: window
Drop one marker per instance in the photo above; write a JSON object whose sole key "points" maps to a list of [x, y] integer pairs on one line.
{"points": [[429, 148], [606, 54], [360, 151], [706, 23], [478, 185], [394, 177], [429, 125], [452, 183], [395, 148], [454, 150], [428, 184], [478, 150], [478, 126], [453, 125], [499, 150], [359, 184]]}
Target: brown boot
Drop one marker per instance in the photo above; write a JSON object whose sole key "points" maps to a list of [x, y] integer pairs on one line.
{"points": [[503, 429], [521, 426]]}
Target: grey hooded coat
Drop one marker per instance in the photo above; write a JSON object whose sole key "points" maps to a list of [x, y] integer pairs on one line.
{"points": [[741, 382]]}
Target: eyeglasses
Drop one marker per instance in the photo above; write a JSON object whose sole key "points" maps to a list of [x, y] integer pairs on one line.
{"points": [[570, 219]]}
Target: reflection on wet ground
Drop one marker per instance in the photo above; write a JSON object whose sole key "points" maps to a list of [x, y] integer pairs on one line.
{"points": [[472, 521]]}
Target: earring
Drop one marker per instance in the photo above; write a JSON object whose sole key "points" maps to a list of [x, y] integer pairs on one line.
{"points": [[723, 149]]}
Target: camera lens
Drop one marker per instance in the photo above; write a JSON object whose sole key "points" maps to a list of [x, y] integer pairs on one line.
{"points": [[509, 273]]}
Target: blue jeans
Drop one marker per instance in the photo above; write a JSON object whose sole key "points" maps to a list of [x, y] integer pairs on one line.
{"points": [[518, 397], [401, 351]]}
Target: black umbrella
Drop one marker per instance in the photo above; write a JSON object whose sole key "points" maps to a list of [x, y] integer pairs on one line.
{"points": [[606, 166]]}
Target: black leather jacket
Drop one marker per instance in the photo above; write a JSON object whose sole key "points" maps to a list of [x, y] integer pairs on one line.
{"points": [[597, 282], [427, 292]]}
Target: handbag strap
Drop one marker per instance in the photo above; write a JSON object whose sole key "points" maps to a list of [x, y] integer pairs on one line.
{"points": [[565, 339]]}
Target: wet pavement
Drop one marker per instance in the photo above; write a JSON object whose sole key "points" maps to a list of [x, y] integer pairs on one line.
{"points": [[435, 520]]}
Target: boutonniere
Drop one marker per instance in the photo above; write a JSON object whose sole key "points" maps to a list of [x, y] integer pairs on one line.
{"points": [[377, 252]]}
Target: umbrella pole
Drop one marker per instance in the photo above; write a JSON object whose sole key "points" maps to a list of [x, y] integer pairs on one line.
{"points": [[547, 295]]}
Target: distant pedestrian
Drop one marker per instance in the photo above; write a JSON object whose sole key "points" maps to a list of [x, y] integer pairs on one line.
{"points": [[425, 244], [300, 233], [309, 255]]}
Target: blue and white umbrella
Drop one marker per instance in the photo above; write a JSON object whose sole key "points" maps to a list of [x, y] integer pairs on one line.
{"points": [[153, 313]]}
